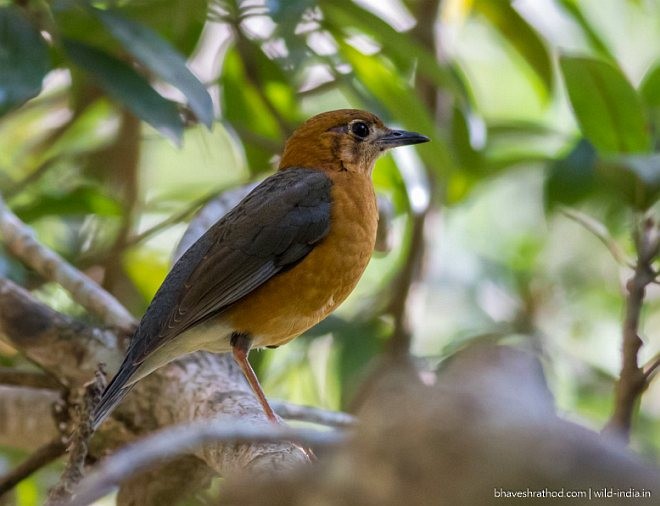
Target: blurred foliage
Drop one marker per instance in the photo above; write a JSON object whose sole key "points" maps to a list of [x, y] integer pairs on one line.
{"points": [[533, 106]]}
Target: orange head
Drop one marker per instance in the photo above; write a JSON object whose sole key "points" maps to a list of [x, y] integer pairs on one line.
{"points": [[343, 140]]}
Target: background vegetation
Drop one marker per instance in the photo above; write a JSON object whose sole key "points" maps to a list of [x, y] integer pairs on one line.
{"points": [[516, 224]]}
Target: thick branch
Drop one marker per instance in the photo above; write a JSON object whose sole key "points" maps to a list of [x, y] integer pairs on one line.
{"points": [[186, 476], [174, 441], [201, 386], [204, 386], [67, 349]]}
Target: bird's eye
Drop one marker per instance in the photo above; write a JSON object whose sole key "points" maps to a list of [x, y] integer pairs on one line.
{"points": [[360, 129]]}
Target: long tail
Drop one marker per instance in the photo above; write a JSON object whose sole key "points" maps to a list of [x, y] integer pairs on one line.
{"points": [[114, 392]]}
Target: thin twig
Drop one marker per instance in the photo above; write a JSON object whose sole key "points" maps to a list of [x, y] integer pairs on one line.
{"points": [[78, 448], [651, 368], [632, 379], [324, 87], [601, 233], [290, 411], [20, 240], [40, 458], [174, 441]]}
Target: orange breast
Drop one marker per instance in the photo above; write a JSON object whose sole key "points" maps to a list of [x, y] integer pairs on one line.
{"points": [[295, 300]]}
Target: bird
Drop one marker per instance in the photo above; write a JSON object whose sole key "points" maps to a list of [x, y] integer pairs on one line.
{"points": [[276, 264]]}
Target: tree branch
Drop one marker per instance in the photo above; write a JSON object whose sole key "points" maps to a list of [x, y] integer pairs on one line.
{"points": [[187, 477], [652, 367], [178, 440], [632, 379], [20, 240], [67, 349], [205, 386], [600, 232]]}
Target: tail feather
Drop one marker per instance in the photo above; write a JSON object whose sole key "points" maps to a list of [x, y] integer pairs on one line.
{"points": [[114, 393]]}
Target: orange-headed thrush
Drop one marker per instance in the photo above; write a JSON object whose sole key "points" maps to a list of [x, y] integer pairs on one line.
{"points": [[278, 263]]}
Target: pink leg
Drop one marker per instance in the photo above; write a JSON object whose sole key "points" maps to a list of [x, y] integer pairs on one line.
{"points": [[240, 346], [240, 350]]}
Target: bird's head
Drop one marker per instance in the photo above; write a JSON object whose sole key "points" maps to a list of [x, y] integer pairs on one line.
{"points": [[343, 140]]}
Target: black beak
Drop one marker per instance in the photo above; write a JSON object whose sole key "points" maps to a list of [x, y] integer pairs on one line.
{"points": [[396, 138]]}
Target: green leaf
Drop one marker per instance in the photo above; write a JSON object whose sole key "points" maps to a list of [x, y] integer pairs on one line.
{"points": [[161, 58], [82, 200], [635, 177], [572, 178], [75, 21], [125, 85], [24, 59], [520, 35], [606, 106]]}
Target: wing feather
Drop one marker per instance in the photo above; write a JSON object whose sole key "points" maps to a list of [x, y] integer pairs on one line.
{"points": [[273, 228]]}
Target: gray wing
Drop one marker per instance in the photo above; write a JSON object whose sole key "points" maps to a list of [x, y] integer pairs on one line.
{"points": [[269, 231]]}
